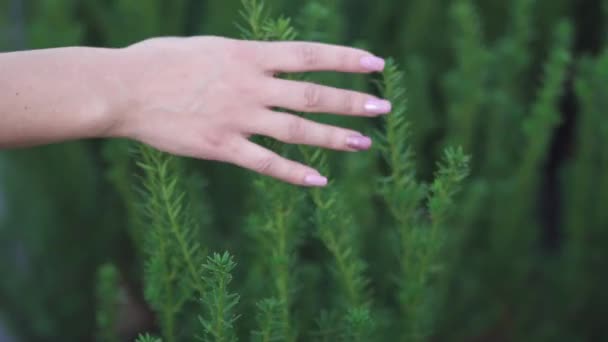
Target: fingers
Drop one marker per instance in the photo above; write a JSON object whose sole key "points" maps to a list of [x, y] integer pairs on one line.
{"points": [[305, 56], [293, 129], [266, 162], [310, 97]]}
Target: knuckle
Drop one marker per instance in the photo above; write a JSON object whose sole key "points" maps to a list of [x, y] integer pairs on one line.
{"points": [[240, 50], [308, 54], [293, 174], [214, 140], [295, 130], [249, 88], [348, 103], [334, 139], [265, 164], [312, 96], [344, 59], [230, 148], [211, 147]]}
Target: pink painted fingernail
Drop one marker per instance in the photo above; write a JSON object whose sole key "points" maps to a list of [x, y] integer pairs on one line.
{"points": [[315, 180], [373, 63], [375, 106], [359, 142]]}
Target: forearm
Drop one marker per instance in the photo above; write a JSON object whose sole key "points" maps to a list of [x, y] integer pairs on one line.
{"points": [[54, 95]]}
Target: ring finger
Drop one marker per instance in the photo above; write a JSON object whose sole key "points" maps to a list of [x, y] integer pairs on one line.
{"points": [[293, 129]]}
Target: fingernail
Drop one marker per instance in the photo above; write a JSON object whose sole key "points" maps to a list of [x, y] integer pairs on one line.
{"points": [[359, 142], [315, 180], [378, 106], [373, 63]]}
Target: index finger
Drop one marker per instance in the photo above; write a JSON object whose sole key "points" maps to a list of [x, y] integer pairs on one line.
{"points": [[307, 56]]}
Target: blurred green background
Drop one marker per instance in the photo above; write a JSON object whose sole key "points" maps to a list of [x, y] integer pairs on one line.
{"points": [[528, 243]]}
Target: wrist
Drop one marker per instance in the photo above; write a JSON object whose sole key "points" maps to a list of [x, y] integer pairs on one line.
{"points": [[117, 93]]}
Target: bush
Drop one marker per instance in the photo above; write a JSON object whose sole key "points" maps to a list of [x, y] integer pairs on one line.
{"points": [[478, 215]]}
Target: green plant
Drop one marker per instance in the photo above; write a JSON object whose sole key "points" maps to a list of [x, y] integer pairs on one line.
{"points": [[107, 303], [421, 231], [217, 300], [174, 256], [274, 224], [147, 338], [400, 247]]}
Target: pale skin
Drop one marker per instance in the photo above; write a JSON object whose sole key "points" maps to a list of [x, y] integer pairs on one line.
{"points": [[200, 97]]}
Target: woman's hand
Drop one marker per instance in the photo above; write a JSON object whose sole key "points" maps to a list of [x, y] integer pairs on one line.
{"points": [[203, 97]]}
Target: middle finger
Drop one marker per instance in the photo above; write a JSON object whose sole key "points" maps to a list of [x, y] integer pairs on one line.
{"points": [[315, 98]]}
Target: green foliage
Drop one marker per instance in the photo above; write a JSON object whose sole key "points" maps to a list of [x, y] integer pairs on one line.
{"points": [[173, 254], [56, 208], [359, 325], [508, 86], [269, 321], [274, 223], [544, 116], [259, 26], [507, 228], [147, 338], [466, 83], [120, 174], [412, 241], [335, 231], [586, 219], [220, 304], [107, 303], [276, 231], [421, 241], [452, 171], [338, 232], [400, 188], [58, 14]]}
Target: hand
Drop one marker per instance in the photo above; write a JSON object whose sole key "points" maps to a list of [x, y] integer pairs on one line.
{"points": [[203, 97]]}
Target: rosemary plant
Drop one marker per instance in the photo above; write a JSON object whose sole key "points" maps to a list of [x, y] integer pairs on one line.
{"points": [[464, 109], [218, 302], [274, 224], [421, 241], [147, 338], [399, 247], [174, 256], [107, 303]]}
